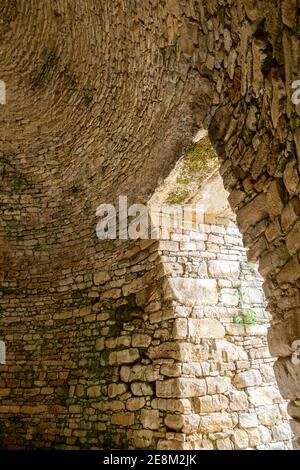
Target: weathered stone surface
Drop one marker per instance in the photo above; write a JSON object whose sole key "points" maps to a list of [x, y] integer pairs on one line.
{"points": [[141, 389], [134, 404], [126, 356], [241, 439], [101, 278], [224, 269], [116, 389], [139, 373], [181, 68], [264, 396], [2, 352], [252, 213], [215, 422], [205, 328], [150, 419], [248, 420], [213, 403], [181, 388], [290, 213], [229, 352], [288, 378], [141, 340], [123, 419]]}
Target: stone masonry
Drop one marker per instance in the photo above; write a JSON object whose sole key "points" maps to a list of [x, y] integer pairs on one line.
{"points": [[102, 98]]}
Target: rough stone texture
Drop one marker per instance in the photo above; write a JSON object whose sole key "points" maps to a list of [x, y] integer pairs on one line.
{"points": [[75, 133], [175, 370]]}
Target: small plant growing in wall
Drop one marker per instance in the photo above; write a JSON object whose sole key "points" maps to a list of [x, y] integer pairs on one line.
{"points": [[248, 315]]}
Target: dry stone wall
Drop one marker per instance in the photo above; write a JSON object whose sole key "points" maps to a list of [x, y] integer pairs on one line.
{"points": [[102, 98]]}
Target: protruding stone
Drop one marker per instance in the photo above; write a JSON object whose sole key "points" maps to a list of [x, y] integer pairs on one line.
{"points": [[101, 278]]}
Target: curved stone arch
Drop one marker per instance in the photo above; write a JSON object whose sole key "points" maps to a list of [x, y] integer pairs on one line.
{"points": [[228, 66]]}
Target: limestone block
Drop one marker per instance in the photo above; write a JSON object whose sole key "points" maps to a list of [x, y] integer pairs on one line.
{"points": [[269, 415], [291, 271], [205, 328], [171, 370], [220, 269], [229, 297], [101, 278], [181, 388], [180, 328], [288, 378], [258, 436], [115, 389], [240, 439], [290, 213], [293, 239], [185, 352], [238, 401], [250, 378], [124, 357], [248, 420], [289, 12], [94, 391], [282, 432], [141, 389], [252, 213], [2, 353], [150, 419], [100, 344], [182, 405], [224, 444], [191, 292], [191, 423], [291, 177], [174, 422], [215, 422], [217, 385], [139, 340], [229, 352], [273, 230], [273, 260], [254, 295], [213, 403], [275, 198], [123, 419]]}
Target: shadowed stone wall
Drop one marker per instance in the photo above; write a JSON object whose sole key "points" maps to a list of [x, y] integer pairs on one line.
{"points": [[102, 98]]}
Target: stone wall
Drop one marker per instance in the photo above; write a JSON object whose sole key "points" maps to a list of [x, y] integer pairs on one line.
{"points": [[157, 362], [76, 133]]}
